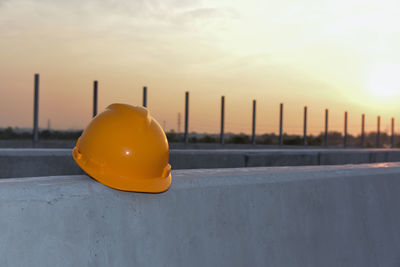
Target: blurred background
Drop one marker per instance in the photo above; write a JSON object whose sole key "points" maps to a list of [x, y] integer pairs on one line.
{"points": [[341, 55]]}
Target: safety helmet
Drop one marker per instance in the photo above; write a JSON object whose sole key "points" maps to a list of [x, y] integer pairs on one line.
{"points": [[126, 149]]}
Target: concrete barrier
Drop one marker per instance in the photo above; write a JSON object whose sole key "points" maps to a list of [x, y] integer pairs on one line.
{"points": [[282, 216], [45, 162], [37, 162]]}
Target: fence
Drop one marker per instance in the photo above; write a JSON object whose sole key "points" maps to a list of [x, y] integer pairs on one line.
{"points": [[221, 136]]}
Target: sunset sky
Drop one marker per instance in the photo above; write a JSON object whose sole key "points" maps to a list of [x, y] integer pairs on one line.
{"points": [[342, 55]]}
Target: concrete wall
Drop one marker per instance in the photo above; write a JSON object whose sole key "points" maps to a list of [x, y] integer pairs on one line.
{"points": [[283, 216], [45, 162], [37, 162]]}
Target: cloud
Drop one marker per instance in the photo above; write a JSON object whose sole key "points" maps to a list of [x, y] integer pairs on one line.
{"points": [[142, 15], [3, 2], [209, 13], [205, 15]]}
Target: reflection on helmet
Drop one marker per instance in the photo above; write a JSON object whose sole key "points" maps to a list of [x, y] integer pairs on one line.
{"points": [[126, 149]]}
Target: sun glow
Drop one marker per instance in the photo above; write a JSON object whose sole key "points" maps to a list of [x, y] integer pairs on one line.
{"points": [[384, 80]]}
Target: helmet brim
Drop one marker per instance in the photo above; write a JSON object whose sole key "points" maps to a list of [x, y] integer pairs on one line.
{"points": [[132, 184]]}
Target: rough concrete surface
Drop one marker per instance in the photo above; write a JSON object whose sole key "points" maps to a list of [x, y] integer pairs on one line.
{"points": [[47, 162], [282, 216]]}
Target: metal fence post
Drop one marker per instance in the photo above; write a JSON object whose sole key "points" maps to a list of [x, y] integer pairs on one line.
{"points": [[95, 98], [345, 130], [221, 137], [179, 122], [378, 132], [36, 111], [392, 136], [186, 136], [253, 131], [145, 96], [305, 127], [281, 124], [326, 127], [363, 130]]}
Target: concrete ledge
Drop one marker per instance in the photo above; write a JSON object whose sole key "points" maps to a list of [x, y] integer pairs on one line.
{"points": [[37, 162], [46, 162], [286, 216]]}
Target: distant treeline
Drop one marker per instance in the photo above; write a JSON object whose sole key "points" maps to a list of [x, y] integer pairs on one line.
{"points": [[334, 138], [10, 133]]}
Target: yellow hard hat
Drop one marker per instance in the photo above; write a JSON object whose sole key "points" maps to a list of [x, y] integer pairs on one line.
{"points": [[126, 149]]}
